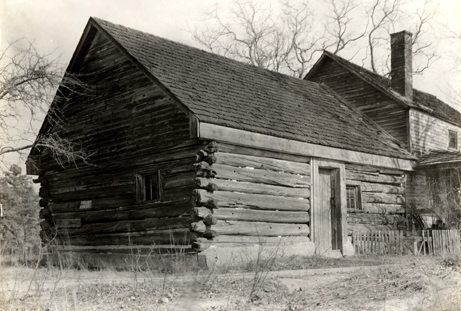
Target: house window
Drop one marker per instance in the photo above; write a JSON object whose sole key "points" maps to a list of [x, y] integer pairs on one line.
{"points": [[452, 139], [149, 187], [354, 199]]}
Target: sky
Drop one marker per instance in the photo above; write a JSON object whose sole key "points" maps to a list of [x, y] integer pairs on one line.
{"points": [[56, 26]]}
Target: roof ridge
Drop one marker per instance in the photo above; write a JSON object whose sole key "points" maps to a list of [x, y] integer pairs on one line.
{"points": [[262, 69]]}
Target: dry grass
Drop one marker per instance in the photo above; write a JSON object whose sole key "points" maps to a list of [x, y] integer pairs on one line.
{"points": [[414, 282]]}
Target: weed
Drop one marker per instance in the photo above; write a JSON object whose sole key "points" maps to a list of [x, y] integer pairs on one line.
{"points": [[452, 261]]}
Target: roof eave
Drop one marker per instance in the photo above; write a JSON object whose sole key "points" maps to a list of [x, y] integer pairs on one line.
{"points": [[272, 143]]}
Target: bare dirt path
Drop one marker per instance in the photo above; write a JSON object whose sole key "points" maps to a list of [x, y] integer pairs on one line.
{"points": [[408, 283]]}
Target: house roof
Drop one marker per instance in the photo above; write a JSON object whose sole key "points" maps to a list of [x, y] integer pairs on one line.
{"points": [[421, 100], [229, 93], [437, 157]]}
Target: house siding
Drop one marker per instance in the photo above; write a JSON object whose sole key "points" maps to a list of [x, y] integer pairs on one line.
{"points": [[128, 126], [391, 116], [429, 133]]}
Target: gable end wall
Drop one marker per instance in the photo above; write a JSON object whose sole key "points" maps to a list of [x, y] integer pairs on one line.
{"points": [[128, 126], [391, 116], [430, 133]]}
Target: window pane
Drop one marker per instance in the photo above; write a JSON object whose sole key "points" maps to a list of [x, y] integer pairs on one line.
{"points": [[353, 198], [154, 186], [452, 139], [147, 188], [151, 187]]}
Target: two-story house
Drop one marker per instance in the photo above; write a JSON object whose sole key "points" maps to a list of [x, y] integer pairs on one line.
{"points": [[426, 126]]}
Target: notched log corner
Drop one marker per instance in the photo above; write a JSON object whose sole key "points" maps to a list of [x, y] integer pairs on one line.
{"points": [[210, 220], [212, 187], [212, 147]]}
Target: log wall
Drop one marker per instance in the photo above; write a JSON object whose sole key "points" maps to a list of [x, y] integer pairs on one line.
{"points": [[383, 198], [248, 196], [391, 116], [128, 126]]}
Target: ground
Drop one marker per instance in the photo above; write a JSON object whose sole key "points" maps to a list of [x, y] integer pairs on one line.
{"points": [[356, 283]]}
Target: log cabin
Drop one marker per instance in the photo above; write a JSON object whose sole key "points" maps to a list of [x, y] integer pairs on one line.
{"points": [[426, 126], [194, 152]]}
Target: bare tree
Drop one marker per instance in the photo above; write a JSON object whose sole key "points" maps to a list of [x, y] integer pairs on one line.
{"points": [[382, 15], [423, 48], [28, 83], [342, 32], [283, 42], [289, 39]]}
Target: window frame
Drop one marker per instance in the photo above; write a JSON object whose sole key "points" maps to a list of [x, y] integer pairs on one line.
{"points": [[455, 136], [358, 198], [142, 186]]}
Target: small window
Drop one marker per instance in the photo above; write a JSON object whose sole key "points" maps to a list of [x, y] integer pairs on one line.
{"points": [[149, 187], [452, 139], [354, 200]]}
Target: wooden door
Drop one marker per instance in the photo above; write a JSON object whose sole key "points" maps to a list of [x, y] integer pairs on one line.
{"points": [[327, 213]]}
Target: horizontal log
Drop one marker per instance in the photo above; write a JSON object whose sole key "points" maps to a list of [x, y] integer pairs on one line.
{"points": [[229, 185], [239, 160], [255, 215], [95, 182], [102, 203], [229, 148], [373, 169], [179, 180], [149, 210], [129, 226], [159, 237], [383, 208], [232, 241], [129, 250], [382, 198], [95, 193], [375, 178], [261, 176], [138, 160], [178, 194], [100, 180], [256, 201], [381, 188], [255, 240], [231, 227], [68, 223]]}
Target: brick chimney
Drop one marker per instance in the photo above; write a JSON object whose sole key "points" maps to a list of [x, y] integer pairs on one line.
{"points": [[401, 64]]}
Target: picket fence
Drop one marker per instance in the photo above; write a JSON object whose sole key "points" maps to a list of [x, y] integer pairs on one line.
{"points": [[429, 242]]}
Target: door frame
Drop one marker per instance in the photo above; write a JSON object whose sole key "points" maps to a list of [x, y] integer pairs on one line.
{"points": [[340, 187]]}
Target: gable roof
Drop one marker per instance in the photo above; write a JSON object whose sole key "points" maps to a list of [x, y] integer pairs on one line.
{"points": [[229, 93], [421, 100]]}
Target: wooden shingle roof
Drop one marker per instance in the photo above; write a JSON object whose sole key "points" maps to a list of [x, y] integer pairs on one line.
{"points": [[438, 157], [421, 100], [229, 93]]}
